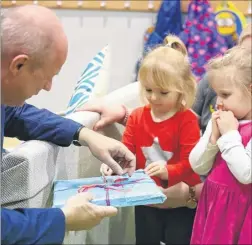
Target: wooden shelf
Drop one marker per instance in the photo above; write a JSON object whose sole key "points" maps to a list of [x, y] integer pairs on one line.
{"points": [[117, 5], [243, 6]]}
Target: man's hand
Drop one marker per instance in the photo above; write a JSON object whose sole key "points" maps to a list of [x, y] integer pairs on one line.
{"points": [[109, 114], [80, 214], [157, 169], [109, 151], [227, 122]]}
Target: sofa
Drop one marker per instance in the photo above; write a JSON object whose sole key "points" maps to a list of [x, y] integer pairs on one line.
{"points": [[30, 169]]}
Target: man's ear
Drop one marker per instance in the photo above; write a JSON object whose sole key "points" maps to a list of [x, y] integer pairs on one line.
{"points": [[17, 63]]}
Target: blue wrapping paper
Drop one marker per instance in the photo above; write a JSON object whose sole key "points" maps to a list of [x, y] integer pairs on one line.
{"points": [[117, 191]]}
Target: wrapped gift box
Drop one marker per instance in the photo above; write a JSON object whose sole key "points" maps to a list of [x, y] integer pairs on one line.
{"points": [[117, 191]]}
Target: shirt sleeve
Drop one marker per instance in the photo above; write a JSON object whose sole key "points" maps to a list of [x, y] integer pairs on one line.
{"points": [[30, 123], [237, 157], [128, 138], [189, 136], [32, 226], [203, 154]]}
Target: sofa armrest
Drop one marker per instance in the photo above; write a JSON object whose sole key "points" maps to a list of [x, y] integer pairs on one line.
{"points": [[27, 174]]}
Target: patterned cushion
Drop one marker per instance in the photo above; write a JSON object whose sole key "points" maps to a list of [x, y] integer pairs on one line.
{"points": [[93, 82]]}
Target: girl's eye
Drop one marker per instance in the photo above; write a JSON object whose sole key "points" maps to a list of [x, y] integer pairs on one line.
{"points": [[148, 90], [164, 93], [224, 95]]}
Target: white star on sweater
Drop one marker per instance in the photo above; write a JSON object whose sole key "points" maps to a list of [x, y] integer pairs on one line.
{"points": [[155, 153]]}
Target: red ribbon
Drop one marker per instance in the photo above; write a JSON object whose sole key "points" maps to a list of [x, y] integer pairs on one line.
{"points": [[113, 186]]}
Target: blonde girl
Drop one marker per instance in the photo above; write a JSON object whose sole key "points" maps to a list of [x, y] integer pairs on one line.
{"points": [[224, 153], [161, 134]]}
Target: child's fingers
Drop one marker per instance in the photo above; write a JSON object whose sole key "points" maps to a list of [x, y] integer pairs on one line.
{"points": [[101, 169], [154, 173], [154, 170], [215, 115], [109, 172], [106, 170], [150, 166], [214, 118]]}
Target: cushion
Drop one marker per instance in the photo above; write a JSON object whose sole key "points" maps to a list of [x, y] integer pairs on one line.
{"points": [[93, 82]]}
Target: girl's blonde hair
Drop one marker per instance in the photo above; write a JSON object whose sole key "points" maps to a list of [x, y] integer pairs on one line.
{"points": [[246, 32], [236, 64], [176, 43], [168, 68]]}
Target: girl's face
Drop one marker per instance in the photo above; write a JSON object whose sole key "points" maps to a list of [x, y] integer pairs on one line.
{"points": [[231, 97], [160, 100]]}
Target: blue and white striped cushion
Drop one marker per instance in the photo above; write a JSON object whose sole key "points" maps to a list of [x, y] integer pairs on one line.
{"points": [[94, 76]]}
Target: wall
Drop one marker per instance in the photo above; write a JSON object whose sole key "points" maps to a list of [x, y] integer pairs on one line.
{"points": [[88, 32]]}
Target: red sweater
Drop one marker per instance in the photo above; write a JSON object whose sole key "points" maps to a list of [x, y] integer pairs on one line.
{"points": [[171, 140]]}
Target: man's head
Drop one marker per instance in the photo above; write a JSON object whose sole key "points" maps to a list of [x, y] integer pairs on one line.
{"points": [[34, 48]]}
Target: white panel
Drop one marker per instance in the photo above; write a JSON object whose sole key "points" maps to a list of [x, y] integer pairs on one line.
{"points": [[88, 32]]}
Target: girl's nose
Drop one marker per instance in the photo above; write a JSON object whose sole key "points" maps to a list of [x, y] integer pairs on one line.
{"points": [[153, 97]]}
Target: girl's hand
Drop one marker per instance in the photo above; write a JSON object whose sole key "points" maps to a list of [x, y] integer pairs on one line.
{"points": [[177, 196], [215, 129], [106, 170], [227, 122], [157, 169], [109, 114]]}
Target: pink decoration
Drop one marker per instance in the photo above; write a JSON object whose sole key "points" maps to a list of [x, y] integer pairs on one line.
{"points": [[202, 51]]}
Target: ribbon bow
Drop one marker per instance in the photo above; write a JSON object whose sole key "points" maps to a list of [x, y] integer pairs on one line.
{"points": [[113, 186]]}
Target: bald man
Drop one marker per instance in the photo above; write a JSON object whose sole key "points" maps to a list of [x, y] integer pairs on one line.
{"points": [[34, 48]]}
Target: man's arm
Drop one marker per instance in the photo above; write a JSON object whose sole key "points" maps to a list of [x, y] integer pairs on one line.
{"points": [[28, 122], [48, 226], [32, 226]]}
